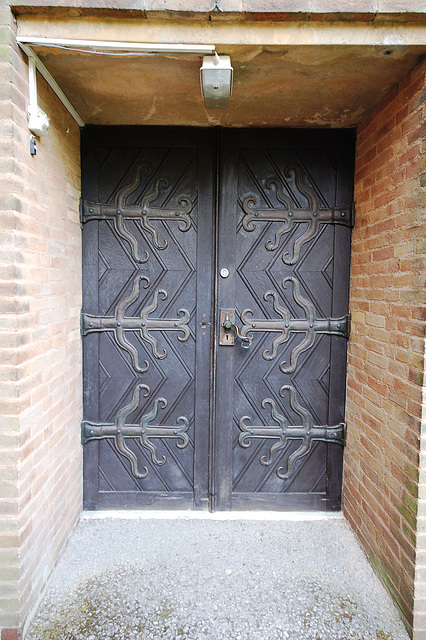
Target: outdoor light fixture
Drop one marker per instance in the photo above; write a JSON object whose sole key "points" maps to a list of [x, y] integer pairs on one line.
{"points": [[216, 81]]}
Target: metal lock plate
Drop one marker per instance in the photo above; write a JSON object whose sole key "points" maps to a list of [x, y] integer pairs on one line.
{"points": [[226, 337]]}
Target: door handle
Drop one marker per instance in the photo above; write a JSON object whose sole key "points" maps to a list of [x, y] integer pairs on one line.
{"points": [[228, 330]]}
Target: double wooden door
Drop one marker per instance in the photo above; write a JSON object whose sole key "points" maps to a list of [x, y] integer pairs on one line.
{"points": [[216, 271]]}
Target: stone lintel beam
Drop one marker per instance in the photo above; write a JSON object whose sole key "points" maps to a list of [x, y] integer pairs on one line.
{"points": [[260, 10]]}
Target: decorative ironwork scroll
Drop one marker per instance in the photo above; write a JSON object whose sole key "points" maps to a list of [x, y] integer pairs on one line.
{"points": [[310, 325], [313, 214], [119, 323], [307, 432], [119, 211], [144, 431]]}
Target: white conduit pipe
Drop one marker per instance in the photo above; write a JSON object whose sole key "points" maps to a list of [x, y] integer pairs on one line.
{"points": [[94, 46]]}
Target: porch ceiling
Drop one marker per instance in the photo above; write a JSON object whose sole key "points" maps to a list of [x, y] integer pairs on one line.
{"points": [[297, 84]]}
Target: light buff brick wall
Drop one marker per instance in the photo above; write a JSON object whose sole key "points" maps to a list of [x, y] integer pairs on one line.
{"points": [[386, 351], [40, 360], [9, 310], [9, 431]]}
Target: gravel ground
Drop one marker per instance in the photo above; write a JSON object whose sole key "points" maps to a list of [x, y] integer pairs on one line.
{"points": [[145, 579]]}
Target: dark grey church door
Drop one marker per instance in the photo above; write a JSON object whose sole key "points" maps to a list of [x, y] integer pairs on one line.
{"points": [[216, 271]]}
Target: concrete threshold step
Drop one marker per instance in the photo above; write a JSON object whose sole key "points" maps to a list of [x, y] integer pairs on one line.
{"points": [[293, 516]]}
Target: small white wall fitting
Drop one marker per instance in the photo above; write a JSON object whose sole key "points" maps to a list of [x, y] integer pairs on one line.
{"points": [[38, 122]]}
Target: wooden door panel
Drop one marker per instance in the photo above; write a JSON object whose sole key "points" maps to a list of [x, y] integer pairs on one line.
{"points": [[152, 372], [142, 214], [282, 269]]}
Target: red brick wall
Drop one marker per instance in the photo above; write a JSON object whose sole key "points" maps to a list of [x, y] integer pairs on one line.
{"points": [[40, 362], [386, 351]]}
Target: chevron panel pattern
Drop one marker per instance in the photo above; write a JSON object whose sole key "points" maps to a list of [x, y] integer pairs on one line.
{"points": [[167, 275], [167, 412], [262, 266]]}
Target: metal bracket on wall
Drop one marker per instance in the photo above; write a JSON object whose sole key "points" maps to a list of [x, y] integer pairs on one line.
{"points": [[307, 432], [314, 215], [144, 431], [310, 325], [34, 63]]}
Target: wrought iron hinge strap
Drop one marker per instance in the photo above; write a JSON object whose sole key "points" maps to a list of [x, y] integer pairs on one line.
{"points": [[330, 326], [307, 432], [144, 431], [97, 430], [310, 325], [336, 215], [119, 323], [314, 215], [119, 211]]}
